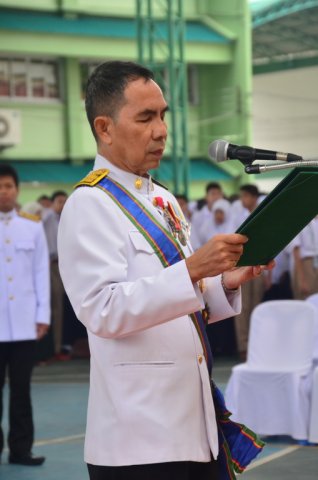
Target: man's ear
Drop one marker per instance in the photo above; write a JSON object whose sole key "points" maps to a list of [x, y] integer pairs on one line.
{"points": [[103, 129]]}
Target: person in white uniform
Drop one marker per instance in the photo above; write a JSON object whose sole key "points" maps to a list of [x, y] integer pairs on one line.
{"points": [[213, 192], [219, 220], [24, 312], [307, 284], [150, 411]]}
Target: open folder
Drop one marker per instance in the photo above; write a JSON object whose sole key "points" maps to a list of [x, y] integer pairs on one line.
{"points": [[280, 216]]}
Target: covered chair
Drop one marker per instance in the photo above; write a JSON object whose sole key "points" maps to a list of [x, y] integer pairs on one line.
{"points": [[270, 393], [313, 299], [313, 424]]}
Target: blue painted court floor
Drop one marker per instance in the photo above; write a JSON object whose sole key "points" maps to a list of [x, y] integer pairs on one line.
{"points": [[59, 393]]}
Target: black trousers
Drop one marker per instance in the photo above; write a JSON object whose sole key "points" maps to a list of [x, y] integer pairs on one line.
{"points": [[156, 471], [18, 358]]}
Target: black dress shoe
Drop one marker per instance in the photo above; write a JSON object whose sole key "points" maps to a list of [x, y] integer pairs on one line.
{"points": [[28, 460]]}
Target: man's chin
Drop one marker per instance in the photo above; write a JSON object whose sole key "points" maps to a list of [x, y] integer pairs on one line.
{"points": [[5, 207], [155, 164]]}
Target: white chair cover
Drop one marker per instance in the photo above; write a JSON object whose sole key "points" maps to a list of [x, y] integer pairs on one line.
{"points": [[313, 299], [313, 425], [271, 392]]}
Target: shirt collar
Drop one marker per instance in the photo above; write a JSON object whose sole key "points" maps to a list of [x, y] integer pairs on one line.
{"points": [[129, 180], [7, 216]]}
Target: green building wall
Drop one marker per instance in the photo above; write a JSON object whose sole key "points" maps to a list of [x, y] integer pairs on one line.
{"points": [[218, 43]]}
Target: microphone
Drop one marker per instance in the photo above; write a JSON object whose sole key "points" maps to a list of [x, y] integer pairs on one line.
{"points": [[280, 166], [220, 151]]}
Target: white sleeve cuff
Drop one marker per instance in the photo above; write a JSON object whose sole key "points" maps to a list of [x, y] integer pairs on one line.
{"points": [[221, 305]]}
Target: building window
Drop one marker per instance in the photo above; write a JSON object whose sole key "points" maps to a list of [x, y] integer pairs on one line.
{"points": [[86, 69], [29, 78], [193, 85], [162, 78]]}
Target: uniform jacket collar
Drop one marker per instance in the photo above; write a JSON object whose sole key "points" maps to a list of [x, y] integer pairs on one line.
{"points": [[7, 216], [127, 179]]}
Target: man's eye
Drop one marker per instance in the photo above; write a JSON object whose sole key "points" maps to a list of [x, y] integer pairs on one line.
{"points": [[144, 119]]}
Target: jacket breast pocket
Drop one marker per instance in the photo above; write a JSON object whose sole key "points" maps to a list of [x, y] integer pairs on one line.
{"points": [[25, 245], [24, 251], [140, 243]]}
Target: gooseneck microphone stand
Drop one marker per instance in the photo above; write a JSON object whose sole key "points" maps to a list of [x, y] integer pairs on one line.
{"points": [[280, 166]]}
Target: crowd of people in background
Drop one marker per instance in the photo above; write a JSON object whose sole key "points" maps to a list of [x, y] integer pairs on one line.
{"points": [[294, 276]]}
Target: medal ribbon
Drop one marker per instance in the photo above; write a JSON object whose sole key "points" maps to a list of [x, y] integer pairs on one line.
{"points": [[164, 244]]}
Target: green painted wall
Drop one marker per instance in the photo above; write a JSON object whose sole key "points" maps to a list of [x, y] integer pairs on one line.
{"points": [[58, 130], [120, 8], [42, 129]]}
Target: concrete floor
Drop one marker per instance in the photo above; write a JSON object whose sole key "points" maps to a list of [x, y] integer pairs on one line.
{"points": [[60, 399]]}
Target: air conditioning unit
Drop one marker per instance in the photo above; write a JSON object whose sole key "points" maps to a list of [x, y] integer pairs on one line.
{"points": [[10, 127]]}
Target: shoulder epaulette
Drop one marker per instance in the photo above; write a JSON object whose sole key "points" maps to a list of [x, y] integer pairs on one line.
{"points": [[93, 178], [158, 183], [29, 216]]}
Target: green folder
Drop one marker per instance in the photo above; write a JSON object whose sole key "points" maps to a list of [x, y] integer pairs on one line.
{"points": [[280, 216]]}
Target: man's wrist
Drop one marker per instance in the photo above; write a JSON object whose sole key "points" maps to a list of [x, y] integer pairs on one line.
{"points": [[225, 287]]}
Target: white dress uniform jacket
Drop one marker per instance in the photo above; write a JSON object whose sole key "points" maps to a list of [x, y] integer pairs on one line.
{"points": [[150, 398], [24, 277]]}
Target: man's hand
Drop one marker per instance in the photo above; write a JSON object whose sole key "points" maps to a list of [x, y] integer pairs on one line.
{"points": [[219, 254], [41, 330], [236, 277]]}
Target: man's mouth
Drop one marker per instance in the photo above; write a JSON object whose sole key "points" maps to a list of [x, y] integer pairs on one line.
{"points": [[157, 153]]}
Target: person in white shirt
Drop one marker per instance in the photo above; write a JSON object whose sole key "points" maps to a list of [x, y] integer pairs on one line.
{"points": [[252, 292], [213, 193], [219, 220], [24, 312], [288, 266], [221, 334], [308, 283], [150, 410], [51, 224]]}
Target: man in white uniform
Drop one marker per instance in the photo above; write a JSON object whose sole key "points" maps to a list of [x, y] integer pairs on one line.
{"points": [[24, 312], [150, 412]]}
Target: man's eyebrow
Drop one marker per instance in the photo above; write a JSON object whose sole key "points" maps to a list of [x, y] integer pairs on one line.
{"points": [[148, 111]]}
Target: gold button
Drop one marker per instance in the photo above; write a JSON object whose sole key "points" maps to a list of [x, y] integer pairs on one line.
{"points": [[11, 297], [200, 359], [7, 240], [138, 183], [8, 259], [10, 279], [201, 284]]}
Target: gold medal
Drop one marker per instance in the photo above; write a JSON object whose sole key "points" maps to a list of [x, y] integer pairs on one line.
{"points": [[182, 237]]}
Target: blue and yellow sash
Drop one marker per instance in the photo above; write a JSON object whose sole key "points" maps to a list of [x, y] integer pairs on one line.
{"points": [[238, 445]]}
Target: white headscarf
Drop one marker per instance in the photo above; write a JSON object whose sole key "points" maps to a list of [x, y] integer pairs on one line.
{"points": [[209, 228], [223, 205]]}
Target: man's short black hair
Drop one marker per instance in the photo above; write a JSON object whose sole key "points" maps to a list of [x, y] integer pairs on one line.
{"points": [[43, 197], [58, 193], [106, 85], [181, 196], [8, 171], [251, 189], [213, 185]]}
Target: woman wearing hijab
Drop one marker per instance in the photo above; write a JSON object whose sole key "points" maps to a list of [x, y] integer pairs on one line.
{"points": [[221, 334], [219, 221]]}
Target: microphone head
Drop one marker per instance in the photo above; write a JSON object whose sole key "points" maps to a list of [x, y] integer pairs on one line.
{"points": [[218, 150]]}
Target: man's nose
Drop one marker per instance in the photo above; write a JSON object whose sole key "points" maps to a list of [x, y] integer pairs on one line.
{"points": [[160, 130]]}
